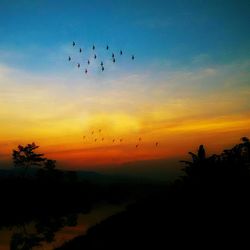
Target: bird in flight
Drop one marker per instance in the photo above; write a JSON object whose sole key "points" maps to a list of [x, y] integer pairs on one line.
{"points": [[95, 52]]}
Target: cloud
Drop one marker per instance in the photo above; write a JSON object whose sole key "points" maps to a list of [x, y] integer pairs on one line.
{"points": [[57, 109]]}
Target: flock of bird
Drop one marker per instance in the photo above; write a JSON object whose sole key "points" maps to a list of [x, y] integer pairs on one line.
{"points": [[114, 140], [88, 60]]}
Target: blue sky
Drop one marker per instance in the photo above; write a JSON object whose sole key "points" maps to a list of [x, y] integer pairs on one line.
{"points": [[177, 32]]}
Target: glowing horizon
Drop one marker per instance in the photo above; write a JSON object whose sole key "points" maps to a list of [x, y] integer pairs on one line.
{"points": [[179, 95]]}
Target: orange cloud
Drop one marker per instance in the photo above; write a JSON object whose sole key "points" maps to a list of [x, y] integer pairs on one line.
{"points": [[178, 113]]}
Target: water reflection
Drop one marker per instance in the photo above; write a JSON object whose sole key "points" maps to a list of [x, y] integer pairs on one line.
{"points": [[50, 232]]}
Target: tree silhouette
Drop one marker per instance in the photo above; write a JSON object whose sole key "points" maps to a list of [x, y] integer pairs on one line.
{"points": [[231, 165], [25, 157], [245, 148], [50, 165], [199, 161], [49, 172]]}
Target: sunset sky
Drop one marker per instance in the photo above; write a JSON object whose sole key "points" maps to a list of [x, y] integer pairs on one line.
{"points": [[188, 85]]}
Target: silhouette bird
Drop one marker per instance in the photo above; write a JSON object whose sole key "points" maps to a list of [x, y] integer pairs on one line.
{"points": [[81, 50], [136, 145], [156, 144]]}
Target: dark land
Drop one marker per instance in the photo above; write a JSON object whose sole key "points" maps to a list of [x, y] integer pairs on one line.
{"points": [[207, 206]]}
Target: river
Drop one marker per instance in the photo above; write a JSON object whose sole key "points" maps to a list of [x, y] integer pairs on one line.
{"points": [[83, 223]]}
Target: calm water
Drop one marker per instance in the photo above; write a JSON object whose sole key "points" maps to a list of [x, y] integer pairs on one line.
{"points": [[84, 221]]}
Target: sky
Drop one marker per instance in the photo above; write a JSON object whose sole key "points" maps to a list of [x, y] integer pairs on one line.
{"points": [[188, 85]]}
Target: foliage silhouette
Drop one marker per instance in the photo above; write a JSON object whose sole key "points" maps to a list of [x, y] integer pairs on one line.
{"points": [[25, 157], [207, 207], [50, 165], [232, 165]]}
